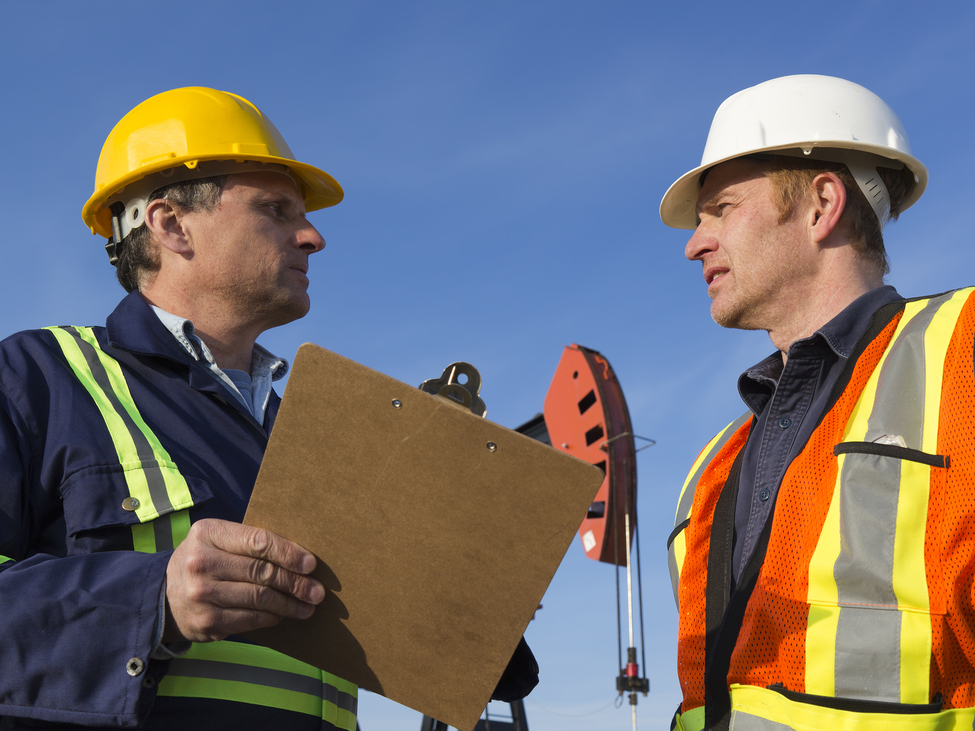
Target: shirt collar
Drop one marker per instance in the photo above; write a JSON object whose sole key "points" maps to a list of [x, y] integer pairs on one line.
{"points": [[263, 362], [840, 335]]}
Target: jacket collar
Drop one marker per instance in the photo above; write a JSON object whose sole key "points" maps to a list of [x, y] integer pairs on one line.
{"points": [[134, 327]]}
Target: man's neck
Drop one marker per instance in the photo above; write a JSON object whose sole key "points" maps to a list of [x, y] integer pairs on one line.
{"points": [[230, 343], [814, 308]]}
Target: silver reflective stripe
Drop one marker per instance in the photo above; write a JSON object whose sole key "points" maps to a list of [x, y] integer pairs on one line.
{"points": [[747, 722], [868, 639], [162, 530], [154, 478], [271, 678], [343, 701], [216, 670]]}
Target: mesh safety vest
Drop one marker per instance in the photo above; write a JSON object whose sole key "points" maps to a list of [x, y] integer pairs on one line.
{"points": [[160, 499], [857, 609]]}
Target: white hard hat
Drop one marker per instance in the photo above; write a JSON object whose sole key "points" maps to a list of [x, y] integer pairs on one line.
{"points": [[818, 117]]}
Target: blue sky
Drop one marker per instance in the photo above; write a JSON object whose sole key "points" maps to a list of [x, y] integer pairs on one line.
{"points": [[503, 163]]}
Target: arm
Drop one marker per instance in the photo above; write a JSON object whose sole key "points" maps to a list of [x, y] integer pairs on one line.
{"points": [[78, 630]]}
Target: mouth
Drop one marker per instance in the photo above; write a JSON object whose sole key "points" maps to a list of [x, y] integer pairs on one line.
{"points": [[712, 274]]}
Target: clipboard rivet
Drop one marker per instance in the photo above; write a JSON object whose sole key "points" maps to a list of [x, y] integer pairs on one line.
{"points": [[397, 404], [492, 447]]}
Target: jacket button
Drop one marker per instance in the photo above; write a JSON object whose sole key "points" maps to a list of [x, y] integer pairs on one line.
{"points": [[764, 495], [135, 667], [131, 504], [785, 422]]}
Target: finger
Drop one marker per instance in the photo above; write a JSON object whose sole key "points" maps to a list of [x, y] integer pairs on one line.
{"points": [[221, 567], [234, 596], [219, 623], [245, 540]]}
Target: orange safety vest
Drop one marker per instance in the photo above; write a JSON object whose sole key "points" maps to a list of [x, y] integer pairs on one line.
{"points": [[857, 609]]}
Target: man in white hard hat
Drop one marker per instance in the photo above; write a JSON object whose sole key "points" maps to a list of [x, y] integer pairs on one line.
{"points": [[822, 555], [128, 452]]}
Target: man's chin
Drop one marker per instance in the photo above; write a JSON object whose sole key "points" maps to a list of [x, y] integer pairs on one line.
{"points": [[731, 317]]}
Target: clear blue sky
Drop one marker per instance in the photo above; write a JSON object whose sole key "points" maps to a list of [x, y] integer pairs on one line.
{"points": [[503, 163]]}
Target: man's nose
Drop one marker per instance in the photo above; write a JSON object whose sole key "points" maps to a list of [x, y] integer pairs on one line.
{"points": [[309, 239], [699, 244]]}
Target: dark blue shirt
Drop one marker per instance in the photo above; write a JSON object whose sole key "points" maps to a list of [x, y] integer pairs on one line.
{"points": [[788, 401]]}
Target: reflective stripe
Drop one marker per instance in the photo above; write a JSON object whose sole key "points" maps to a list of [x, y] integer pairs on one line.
{"points": [[243, 673], [231, 671], [162, 534], [760, 709], [677, 550], [869, 629], [152, 477], [4, 559]]}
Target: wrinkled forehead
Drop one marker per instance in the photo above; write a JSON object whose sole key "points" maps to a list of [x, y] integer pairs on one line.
{"points": [[719, 178], [276, 181]]}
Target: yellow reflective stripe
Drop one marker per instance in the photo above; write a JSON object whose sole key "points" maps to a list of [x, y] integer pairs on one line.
{"points": [[134, 467], [242, 653], [124, 446], [677, 551], [703, 457], [936, 340], [822, 595], [755, 708], [173, 528], [822, 591], [181, 526], [4, 559], [237, 691], [679, 547], [176, 487], [199, 674], [693, 720], [143, 538], [910, 578]]}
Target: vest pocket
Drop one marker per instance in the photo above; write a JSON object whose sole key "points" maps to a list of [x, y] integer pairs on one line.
{"points": [[856, 705], [895, 451]]}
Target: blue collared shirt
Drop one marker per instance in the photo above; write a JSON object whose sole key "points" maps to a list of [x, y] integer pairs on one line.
{"points": [[788, 401], [265, 367]]}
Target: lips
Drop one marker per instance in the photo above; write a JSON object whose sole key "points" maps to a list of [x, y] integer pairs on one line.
{"points": [[713, 273]]}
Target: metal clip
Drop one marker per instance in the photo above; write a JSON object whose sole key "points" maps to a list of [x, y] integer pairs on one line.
{"points": [[464, 393]]}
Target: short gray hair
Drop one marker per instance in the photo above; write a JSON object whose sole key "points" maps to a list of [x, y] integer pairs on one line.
{"points": [[138, 261]]}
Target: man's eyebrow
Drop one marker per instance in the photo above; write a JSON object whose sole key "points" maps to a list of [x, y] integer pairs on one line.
{"points": [[710, 201]]}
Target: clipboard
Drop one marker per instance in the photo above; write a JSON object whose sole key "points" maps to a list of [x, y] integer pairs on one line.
{"points": [[437, 533]]}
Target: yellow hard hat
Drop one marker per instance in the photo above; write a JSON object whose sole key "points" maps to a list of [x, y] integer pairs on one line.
{"points": [[185, 127]]}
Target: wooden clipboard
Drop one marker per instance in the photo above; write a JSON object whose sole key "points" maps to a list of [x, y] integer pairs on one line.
{"points": [[437, 533]]}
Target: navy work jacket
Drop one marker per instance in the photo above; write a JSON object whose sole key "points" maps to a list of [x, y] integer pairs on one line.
{"points": [[77, 604]]}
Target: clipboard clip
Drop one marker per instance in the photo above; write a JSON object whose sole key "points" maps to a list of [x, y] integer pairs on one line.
{"points": [[461, 383]]}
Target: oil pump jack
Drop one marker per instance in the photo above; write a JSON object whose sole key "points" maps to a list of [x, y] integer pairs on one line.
{"points": [[585, 415]]}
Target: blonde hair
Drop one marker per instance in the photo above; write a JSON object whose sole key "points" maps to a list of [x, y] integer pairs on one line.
{"points": [[791, 178]]}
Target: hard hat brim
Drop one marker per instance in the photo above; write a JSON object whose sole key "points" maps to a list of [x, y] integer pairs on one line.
{"points": [[678, 207], [320, 190]]}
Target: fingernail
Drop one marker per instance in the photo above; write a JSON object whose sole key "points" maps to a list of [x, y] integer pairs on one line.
{"points": [[316, 594], [308, 564]]}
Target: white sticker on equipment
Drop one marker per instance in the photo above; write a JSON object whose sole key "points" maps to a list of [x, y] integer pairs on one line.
{"points": [[588, 541]]}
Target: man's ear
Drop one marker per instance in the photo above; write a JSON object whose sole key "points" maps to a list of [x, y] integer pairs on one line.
{"points": [[168, 227], [829, 202]]}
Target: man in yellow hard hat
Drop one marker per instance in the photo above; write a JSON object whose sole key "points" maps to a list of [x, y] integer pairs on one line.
{"points": [[128, 452], [822, 554]]}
